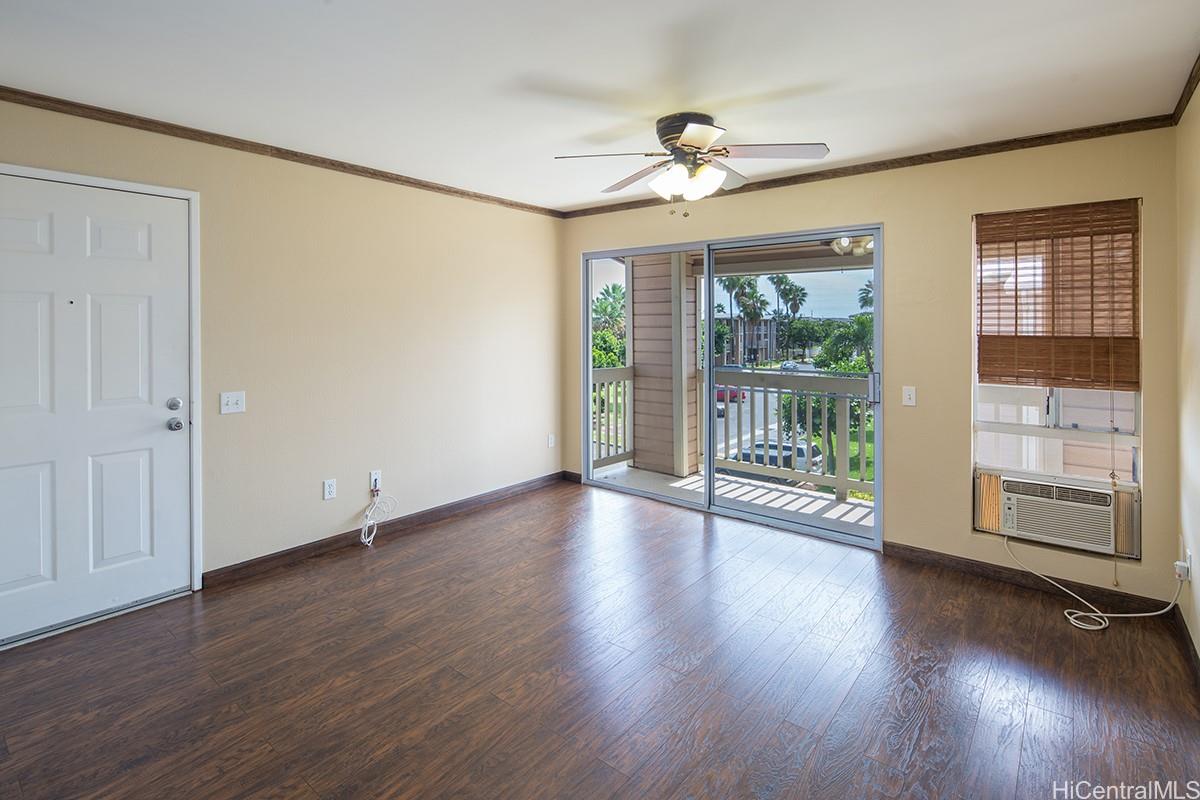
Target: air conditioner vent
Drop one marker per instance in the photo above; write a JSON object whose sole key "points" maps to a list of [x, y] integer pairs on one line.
{"points": [[1073, 494], [1029, 489]]}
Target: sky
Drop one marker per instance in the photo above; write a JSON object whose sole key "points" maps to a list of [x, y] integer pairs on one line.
{"points": [[830, 294]]}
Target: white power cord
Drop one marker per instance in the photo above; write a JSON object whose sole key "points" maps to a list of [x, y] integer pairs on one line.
{"points": [[1095, 619], [381, 509]]}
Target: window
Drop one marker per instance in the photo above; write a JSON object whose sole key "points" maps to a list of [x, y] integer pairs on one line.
{"points": [[1058, 340]]}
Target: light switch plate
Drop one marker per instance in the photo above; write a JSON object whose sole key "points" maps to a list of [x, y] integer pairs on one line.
{"points": [[233, 402], [908, 395]]}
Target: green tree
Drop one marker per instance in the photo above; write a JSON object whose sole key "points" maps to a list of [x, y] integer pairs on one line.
{"points": [[721, 335], [803, 333], [850, 339], [866, 295], [608, 310], [607, 350]]}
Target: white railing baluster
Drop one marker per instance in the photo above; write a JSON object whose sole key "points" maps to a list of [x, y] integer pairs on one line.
{"points": [[753, 432], [737, 455], [862, 440], [843, 447], [795, 461], [808, 414], [725, 426]]}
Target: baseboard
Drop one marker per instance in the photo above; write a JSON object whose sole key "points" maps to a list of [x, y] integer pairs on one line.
{"points": [[1106, 599], [573, 477], [1189, 645], [223, 576]]}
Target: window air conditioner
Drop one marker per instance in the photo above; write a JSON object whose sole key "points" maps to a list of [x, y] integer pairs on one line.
{"points": [[1081, 514]]}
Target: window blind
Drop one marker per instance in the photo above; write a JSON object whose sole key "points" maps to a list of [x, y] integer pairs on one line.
{"points": [[1058, 296]]}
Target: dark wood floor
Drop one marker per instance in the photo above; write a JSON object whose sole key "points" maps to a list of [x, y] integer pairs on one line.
{"points": [[580, 643]]}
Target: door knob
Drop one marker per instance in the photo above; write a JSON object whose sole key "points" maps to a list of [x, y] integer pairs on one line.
{"points": [[174, 424], [174, 403]]}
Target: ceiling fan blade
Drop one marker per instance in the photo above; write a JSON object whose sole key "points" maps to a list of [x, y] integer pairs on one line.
{"points": [[609, 155], [700, 136], [808, 150], [637, 176], [733, 178]]}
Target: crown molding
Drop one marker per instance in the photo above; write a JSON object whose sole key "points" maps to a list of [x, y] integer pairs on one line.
{"points": [[1189, 88], [48, 103], [952, 154]]}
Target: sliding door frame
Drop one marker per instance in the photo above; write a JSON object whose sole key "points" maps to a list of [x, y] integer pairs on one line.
{"points": [[875, 541], [707, 246]]}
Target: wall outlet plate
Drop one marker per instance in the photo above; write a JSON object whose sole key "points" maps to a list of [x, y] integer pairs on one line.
{"points": [[330, 488], [233, 402], [376, 480], [550, 440]]}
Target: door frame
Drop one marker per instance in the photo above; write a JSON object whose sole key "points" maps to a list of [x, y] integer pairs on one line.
{"points": [[706, 245], [192, 198]]}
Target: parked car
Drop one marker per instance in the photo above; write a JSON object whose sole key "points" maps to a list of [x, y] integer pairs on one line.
{"points": [[767, 454], [792, 366], [727, 394]]}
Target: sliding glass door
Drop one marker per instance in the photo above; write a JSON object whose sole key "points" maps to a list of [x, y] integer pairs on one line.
{"points": [[740, 376], [795, 377]]}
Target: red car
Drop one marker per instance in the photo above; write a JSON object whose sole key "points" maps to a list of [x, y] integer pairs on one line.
{"points": [[727, 393]]}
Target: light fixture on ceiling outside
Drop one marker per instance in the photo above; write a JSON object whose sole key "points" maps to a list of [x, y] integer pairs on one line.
{"points": [[692, 185], [845, 245]]}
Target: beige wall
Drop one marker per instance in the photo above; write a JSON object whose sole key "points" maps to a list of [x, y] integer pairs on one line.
{"points": [[437, 339], [372, 326], [1188, 156], [926, 213]]}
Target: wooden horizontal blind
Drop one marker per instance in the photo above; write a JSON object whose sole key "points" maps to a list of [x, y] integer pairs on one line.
{"points": [[1058, 296]]}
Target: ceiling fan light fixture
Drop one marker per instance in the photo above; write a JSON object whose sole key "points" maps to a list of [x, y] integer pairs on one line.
{"points": [[672, 182], [708, 179]]}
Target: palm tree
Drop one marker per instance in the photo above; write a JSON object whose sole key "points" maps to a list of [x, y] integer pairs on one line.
{"points": [[608, 310], [866, 295], [753, 304], [795, 296], [781, 284], [736, 285]]}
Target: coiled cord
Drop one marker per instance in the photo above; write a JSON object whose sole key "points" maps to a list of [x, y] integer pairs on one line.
{"points": [[1094, 619], [381, 509]]}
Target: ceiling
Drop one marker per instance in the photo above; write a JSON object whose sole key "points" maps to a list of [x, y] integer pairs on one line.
{"points": [[482, 95]]}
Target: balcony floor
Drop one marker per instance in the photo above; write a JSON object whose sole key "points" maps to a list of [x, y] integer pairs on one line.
{"points": [[789, 503]]}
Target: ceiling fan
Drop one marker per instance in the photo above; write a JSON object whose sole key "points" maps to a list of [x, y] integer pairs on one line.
{"points": [[690, 165]]}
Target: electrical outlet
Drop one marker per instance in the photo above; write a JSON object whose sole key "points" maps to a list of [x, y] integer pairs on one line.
{"points": [[330, 486], [1183, 568], [233, 402], [376, 480], [550, 440]]}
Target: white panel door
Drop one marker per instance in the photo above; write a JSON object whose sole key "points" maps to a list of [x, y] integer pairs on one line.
{"points": [[94, 484]]}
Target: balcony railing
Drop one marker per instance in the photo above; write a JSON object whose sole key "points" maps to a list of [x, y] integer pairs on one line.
{"points": [[612, 415], [773, 420]]}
